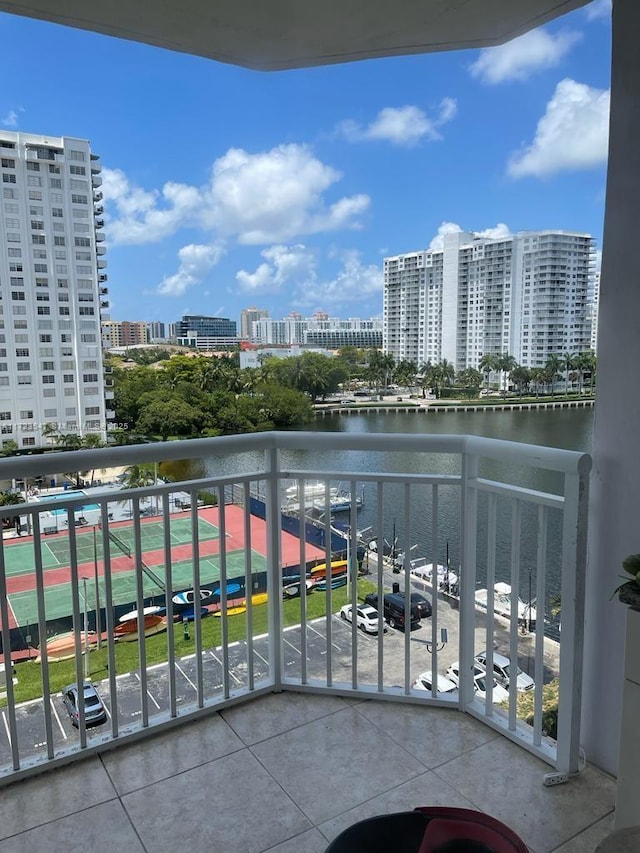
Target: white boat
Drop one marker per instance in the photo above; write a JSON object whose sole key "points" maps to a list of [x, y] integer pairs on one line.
{"points": [[314, 497], [423, 570], [503, 600], [147, 611]]}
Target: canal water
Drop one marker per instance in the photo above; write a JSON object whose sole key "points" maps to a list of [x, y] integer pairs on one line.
{"points": [[563, 428]]}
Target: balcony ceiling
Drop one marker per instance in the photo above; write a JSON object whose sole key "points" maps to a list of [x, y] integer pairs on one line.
{"points": [[271, 35]]}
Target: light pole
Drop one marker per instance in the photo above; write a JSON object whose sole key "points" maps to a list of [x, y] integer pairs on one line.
{"points": [[95, 575], [86, 630]]}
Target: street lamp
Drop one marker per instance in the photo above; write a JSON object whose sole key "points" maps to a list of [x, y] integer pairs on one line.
{"points": [[95, 575], [86, 630]]}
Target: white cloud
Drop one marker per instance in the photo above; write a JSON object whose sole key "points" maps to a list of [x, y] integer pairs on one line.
{"points": [[405, 126], [283, 265], [355, 282], [11, 119], [498, 232], [140, 217], [295, 268], [599, 9], [445, 228], [523, 56], [255, 198], [195, 263], [572, 134]]}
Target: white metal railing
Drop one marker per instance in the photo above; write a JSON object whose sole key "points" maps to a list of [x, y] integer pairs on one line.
{"points": [[500, 511]]}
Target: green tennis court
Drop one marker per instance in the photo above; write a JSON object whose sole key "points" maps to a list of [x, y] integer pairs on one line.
{"points": [[58, 600], [20, 557]]}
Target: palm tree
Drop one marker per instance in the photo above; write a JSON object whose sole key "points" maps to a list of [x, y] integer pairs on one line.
{"points": [[570, 362], [538, 377], [139, 476], [505, 363], [425, 374], [521, 377], [487, 364], [552, 367], [443, 374]]}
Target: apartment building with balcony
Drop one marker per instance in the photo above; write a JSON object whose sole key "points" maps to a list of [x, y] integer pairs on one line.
{"points": [[53, 287], [249, 316], [124, 333], [527, 295], [319, 330]]}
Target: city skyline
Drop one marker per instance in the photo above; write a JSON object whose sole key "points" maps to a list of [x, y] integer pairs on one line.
{"points": [[226, 188]]}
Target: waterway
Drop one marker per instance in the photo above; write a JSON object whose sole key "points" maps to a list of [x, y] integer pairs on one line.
{"points": [[564, 428]]}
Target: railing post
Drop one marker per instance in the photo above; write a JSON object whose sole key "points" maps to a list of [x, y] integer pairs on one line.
{"points": [[574, 556], [274, 580], [467, 574]]}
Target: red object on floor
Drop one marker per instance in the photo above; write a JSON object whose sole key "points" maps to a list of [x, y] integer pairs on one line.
{"points": [[451, 829], [430, 829]]}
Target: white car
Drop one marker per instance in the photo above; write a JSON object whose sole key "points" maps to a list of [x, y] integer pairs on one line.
{"points": [[367, 617], [499, 694], [502, 671], [443, 685]]}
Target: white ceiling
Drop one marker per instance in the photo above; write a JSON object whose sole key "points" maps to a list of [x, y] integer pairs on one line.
{"points": [[271, 35]]}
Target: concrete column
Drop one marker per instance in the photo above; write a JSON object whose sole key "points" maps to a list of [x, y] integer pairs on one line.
{"points": [[614, 518]]}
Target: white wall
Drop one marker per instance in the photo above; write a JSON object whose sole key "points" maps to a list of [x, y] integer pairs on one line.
{"points": [[615, 483]]}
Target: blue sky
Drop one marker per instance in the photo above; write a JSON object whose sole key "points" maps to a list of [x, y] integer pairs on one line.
{"points": [[227, 188]]}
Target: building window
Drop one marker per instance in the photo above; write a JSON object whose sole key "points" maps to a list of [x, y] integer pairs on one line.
{"points": [[28, 442], [55, 183], [9, 192], [64, 311], [82, 241], [77, 170], [49, 379], [67, 378], [34, 181], [76, 155], [90, 377], [23, 366], [86, 312], [40, 268], [8, 179], [43, 310], [17, 295], [76, 198], [38, 239]]}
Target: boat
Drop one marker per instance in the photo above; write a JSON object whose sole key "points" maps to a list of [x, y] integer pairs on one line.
{"points": [[189, 615], [337, 567], [292, 590], [63, 646], [321, 586], [232, 611], [231, 589], [152, 610], [259, 598], [129, 631], [314, 497], [188, 596], [503, 600], [423, 570]]}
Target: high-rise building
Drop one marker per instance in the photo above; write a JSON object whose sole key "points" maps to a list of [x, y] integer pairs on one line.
{"points": [[525, 295], [319, 330], [52, 283], [196, 330], [157, 332], [249, 316], [123, 333]]}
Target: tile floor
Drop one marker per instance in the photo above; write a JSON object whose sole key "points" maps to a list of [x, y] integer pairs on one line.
{"points": [[287, 773]]}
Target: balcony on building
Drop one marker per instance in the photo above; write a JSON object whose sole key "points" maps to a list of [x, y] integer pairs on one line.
{"points": [[102, 277], [296, 707], [96, 181], [100, 236], [555, 823], [102, 264], [99, 222]]}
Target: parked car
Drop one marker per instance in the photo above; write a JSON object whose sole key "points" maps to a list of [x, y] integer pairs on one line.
{"points": [[443, 684], [94, 710], [480, 678], [422, 603], [367, 618], [393, 609], [503, 670]]}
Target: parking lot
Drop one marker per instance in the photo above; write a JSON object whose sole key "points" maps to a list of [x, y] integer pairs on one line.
{"points": [[30, 715]]}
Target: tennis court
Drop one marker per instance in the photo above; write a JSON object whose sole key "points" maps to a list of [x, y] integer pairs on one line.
{"points": [[58, 597], [56, 552]]}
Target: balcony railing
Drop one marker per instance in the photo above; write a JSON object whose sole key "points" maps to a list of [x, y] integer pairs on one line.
{"points": [[501, 511]]}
